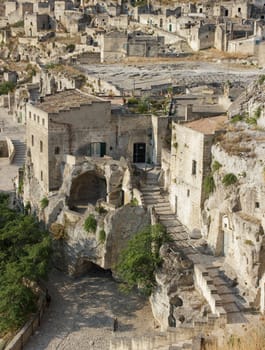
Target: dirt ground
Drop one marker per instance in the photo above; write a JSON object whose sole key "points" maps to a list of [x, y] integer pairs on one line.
{"points": [[82, 311]]}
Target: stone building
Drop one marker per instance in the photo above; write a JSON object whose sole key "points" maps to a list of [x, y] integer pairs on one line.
{"points": [[113, 46], [189, 165], [36, 23], [74, 123]]}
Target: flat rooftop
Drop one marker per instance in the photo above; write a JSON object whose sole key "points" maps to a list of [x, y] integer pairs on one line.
{"points": [[208, 125], [66, 100]]}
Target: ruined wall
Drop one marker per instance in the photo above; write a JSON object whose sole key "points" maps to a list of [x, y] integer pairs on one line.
{"points": [[233, 219]]}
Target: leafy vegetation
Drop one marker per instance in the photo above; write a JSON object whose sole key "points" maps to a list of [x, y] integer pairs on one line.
{"points": [[229, 179], [101, 210], [237, 118], [261, 79], [208, 184], [216, 166], [139, 260], [19, 24], [134, 202], [90, 224], [24, 258], [102, 236], [44, 202], [6, 86]]}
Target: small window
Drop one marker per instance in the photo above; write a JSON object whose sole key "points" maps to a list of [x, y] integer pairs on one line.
{"points": [[38, 118], [32, 140], [188, 193], [29, 115], [57, 150], [200, 10], [194, 167], [34, 117], [257, 205], [43, 121], [41, 146], [239, 10], [41, 175]]}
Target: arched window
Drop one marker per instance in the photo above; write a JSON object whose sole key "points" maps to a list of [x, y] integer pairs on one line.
{"points": [[57, 150]]}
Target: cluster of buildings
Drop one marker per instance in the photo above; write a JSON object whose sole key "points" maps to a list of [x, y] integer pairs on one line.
{"points": [[110, 31]]}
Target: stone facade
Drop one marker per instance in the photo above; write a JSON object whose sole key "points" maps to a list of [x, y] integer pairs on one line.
{"points": [[190, 164]]}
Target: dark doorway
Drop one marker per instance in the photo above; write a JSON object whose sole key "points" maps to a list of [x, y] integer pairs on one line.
{"points": [[139, 153], [86, 188]]}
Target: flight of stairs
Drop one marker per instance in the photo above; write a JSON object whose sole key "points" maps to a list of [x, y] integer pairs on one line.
{"points": [[151, 197], [214, 282], [20, 153]]}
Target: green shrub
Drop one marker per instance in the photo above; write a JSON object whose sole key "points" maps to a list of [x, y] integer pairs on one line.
{"points": [[229, 179], [132, 101], [101, 210], [102, 236], [236, 118], [257, 113], [18, 24], [261, 79], [134, 202], [90, 224], [216, 166], [6, 86], [208, 184], [44, 202], [139, 260]]}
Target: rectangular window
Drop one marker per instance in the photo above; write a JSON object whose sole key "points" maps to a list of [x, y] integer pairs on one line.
{"points": [[38, 119], [29, 115], [41, 175], [41, 146], [32, 140], [43, 121], [34, 115], [194, 167]]}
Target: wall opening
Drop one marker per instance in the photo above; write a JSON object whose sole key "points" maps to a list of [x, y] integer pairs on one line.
{"points": [[86, 189], [84, 266], [139, 152]]}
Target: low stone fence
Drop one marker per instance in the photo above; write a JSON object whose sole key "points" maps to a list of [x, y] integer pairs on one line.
{"points": [[22, 337], [205, 285]]}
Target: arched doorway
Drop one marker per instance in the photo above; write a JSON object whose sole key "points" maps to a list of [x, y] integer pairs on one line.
{"points": [[86, 189]]}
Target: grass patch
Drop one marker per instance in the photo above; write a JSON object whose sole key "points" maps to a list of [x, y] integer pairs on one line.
{"points": [[229, 179], [90, 224]]}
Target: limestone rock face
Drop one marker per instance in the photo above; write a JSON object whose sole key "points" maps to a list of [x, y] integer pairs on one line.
{"points": [[120, 226], [98, 187], [174, 280], [233, 215]]}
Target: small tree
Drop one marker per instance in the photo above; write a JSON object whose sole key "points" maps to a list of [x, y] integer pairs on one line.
{"points": [[139, 260]]}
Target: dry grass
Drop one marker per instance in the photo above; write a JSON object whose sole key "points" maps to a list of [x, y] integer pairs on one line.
{"points": [[254, 339]]}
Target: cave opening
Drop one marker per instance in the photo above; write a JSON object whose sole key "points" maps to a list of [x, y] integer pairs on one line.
{"points": [[86, 189]]}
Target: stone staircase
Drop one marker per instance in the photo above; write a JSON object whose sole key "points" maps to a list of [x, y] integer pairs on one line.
{"points": [[20, 153], [172, 339], [212, 282], [152, 197]]}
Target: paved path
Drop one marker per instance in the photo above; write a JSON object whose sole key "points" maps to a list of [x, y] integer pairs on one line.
{"points": [[81, 314], [14, 131]]}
